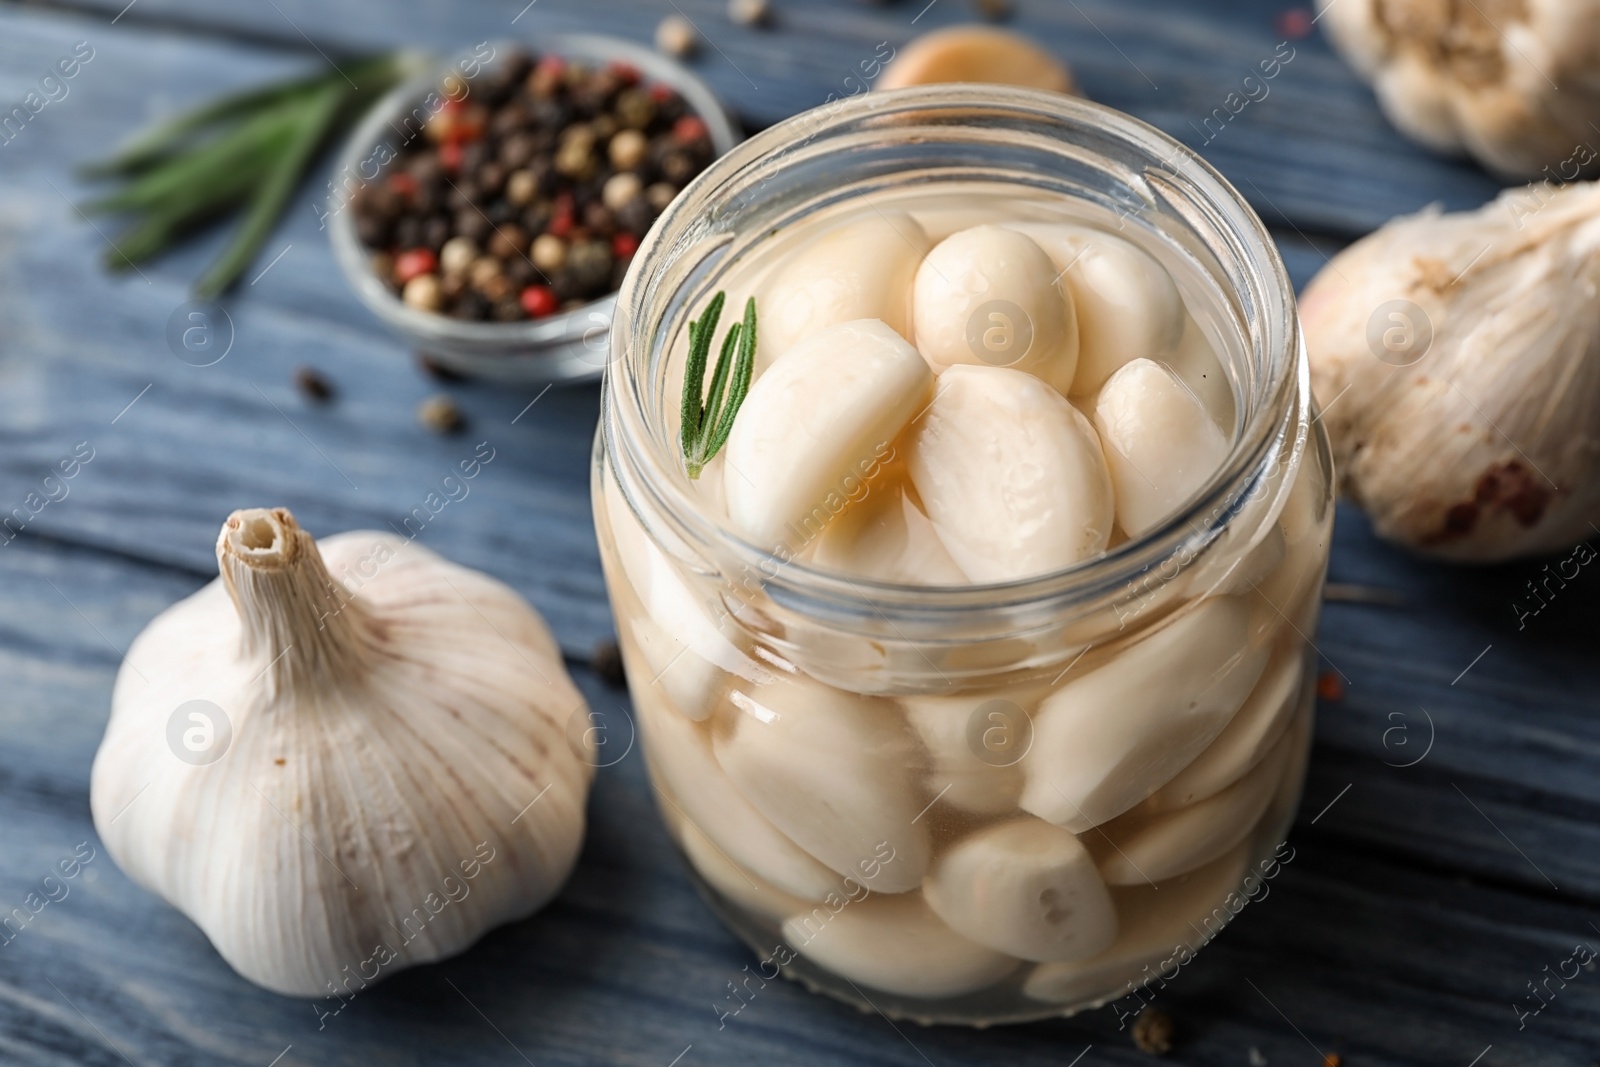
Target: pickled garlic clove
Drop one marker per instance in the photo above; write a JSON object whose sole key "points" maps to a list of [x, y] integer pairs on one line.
{"points": [[1160, 443], [686, 643], [835, 772], [1105, 742], [989, 296], [886, 536], [689, 776], [1249, 735], [1198, 365], [896, 944], [1157, 925], [818, 425], [1128, 306], [1153, 848], [741, 887], [1297, 744], [1025, 888], [1011, 475], [957, 775], [861, 269]]}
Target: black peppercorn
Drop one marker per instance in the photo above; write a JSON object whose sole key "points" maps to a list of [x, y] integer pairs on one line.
{"points": [[407, 232], [636, 216], [599, 218], [435, 232], [472, 305], [470, 222], [589, 268]]}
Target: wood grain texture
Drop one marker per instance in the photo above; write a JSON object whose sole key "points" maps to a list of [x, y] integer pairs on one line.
{"points": [[1422, 898]]}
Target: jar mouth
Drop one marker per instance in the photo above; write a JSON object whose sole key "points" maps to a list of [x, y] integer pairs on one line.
{"points": [[1155, 176]]}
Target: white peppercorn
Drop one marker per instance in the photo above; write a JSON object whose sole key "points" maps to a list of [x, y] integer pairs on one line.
{"points": [[423, 293], [676, 36], [621, 190]]}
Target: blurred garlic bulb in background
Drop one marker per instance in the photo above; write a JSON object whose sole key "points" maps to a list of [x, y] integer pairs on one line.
{"points": [[335, 778], [1513, 83], [1456, 358]]}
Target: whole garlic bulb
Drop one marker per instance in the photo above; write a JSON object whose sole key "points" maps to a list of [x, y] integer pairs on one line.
{"points": [[335, 779], [1457, 361], [1511, 83]]}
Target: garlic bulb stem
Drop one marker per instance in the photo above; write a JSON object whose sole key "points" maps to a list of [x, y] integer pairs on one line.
{"points": [[294, 617]]}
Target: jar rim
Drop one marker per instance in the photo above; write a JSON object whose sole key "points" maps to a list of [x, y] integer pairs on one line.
{"points": [[650, 477]]}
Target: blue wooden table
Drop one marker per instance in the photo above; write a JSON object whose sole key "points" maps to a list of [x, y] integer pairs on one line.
{"points": [[1447, 854]]}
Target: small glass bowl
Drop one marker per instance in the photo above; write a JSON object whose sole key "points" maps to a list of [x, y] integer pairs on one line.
{"points": [[571, 346]]}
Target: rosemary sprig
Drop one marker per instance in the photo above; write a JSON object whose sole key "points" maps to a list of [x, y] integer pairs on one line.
{"points": [[247, 150], [708, 416]]}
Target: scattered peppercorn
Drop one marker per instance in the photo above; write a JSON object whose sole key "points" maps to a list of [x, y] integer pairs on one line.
{"points": [[607, 663], [676, 36], [546, 180], [993, 10], [438, 371], [1152, 1032], [441, 415], [1329, 687], [314, 384], [1331, 1059], [750, 12]]}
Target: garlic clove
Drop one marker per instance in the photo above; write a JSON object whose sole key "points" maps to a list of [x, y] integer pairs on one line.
{"points": [[1512, 86], [1160, 444], [989, 296], [1162, 923], [1127, 305], [687, 643], [1106, 741], [1152, 847], [834, 771], [1025, 888], [381, 732], [862, 269], [886, 536], [1011, 475], [1198, 365], [976, 54], [1278, 817], [896, 944], [1454, 356], [1249, 735], [956, 774], [741, 887], [818, 425], [697, 791]]}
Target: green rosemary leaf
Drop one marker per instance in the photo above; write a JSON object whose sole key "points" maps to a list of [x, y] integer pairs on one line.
{"points": [[743, 371], [719, 383], [166, 139], [159, 144], [694, 373], [233, 159], [273, 193]]}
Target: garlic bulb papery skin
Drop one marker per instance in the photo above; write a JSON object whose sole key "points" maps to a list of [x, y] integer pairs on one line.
{"points": [[397, 776], [1456, 358], [1510, 82]]}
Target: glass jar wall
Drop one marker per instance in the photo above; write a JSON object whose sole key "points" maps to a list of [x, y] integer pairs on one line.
{"points": [[959, 801]]}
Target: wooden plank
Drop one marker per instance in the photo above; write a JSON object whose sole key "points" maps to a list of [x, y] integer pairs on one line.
{"points": [[162, 479], [1423, 898], [1371, 942], [1313, 152]]}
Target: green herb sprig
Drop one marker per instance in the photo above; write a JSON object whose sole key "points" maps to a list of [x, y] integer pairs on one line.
{"points": [[708, 419], [245, 151]]}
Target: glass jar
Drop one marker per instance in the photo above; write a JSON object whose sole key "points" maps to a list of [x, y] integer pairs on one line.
{"points": [[981, 803]]}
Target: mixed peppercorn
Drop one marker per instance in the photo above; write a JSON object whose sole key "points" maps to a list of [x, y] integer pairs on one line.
{"points": [[529, 195]]}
